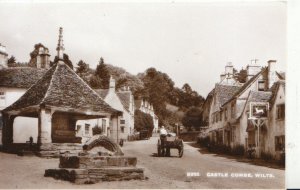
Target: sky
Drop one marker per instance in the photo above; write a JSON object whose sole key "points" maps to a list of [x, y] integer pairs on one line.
{"points": [[191, 42]]}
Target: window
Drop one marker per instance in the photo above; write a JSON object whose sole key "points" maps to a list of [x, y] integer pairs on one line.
{"points": [[122, 121], [261, 85], [87, 129], [280, 111], [279, 143], [122, 129], [225, 113]]}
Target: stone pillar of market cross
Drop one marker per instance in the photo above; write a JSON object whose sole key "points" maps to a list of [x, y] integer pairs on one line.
{"points": [[44, 126]]}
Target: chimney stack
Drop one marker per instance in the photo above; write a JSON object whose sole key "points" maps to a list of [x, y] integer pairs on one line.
{"points": [[112, 84], [253, 69], [271, 73], [3, 57], [229, 69]]}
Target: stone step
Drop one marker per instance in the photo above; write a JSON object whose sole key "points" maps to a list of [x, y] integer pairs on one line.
{"points": [[94, 175], [67, 161], [55, 153]]}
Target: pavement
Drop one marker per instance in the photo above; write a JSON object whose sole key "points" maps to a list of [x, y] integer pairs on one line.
{"points": [[196, 169]]}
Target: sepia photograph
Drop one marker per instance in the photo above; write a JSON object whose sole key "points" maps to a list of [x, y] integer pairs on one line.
{"points": [[152, 95]]}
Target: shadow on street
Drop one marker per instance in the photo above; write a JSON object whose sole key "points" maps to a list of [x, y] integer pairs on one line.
{"points": [[257, 162]]}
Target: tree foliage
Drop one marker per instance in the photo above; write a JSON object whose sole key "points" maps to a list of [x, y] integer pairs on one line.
{"points": [[11, 61], [100, 79], [83, 71], [143, 121], [241, 76], [66, 60], [192, 118]]}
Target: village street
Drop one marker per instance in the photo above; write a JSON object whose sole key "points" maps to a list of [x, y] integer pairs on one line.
{"points": [[168, 172]]}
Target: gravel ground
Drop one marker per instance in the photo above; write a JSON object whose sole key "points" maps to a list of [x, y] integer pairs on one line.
{"points": [[169, 172]]}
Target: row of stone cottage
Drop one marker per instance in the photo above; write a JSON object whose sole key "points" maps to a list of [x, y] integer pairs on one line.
{"points": [[227, 108], [20, 94]]}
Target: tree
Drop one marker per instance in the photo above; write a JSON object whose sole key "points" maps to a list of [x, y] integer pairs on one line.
{"points": [[102, 75], [82, 67], [242, 76], [66, 60], [192, 118], [187, 88], [143, 121], [11, 61]]}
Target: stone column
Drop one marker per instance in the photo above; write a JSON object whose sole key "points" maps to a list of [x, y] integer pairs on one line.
{"points": [[44, 126], [114, 129], [7, 131]]}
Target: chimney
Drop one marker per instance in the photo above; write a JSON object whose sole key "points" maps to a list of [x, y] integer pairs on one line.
{"points": [[3, 57], [222, 77], [229, 69], [253, 69], [271, 73], [112, 84]]}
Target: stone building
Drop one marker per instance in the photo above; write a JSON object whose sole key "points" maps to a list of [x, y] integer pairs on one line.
{"points": [[57, 100], [40, 57], [227, 109], [14, 82], [3, 57], [145, 107], [122, 100]]}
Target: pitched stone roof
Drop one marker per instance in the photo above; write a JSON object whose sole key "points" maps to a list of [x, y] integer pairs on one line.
{"points": [[62, 87], [274, 91], [225, 92], [20, 77], [124, 96], [259, 96], [102, 92], [246, 85]]}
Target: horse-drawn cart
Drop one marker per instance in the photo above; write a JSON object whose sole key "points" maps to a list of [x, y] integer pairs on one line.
{"points": [[165, 143]]}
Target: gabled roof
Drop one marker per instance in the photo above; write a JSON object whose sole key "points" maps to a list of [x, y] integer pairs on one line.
{"points": [[124, 96], [274, 91], [137, 103], [20, 77], [225, 92], [259, 96], [102, 92], [62, 87], [246, 85], [281, 75]]}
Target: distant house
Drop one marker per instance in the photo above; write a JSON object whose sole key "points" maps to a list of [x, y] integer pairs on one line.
{"points": [[145, 107], [122, 100], [228, 107]]}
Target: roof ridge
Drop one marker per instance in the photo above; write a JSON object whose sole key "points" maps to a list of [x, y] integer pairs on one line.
{"points": [[50, 84]]}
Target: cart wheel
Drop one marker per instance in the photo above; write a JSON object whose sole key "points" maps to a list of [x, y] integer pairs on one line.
{"points": [[180, 150], [159, 151]]}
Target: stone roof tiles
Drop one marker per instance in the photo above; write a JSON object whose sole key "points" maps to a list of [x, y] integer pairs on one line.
{"points": [[20, 77], [62, 87]]}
